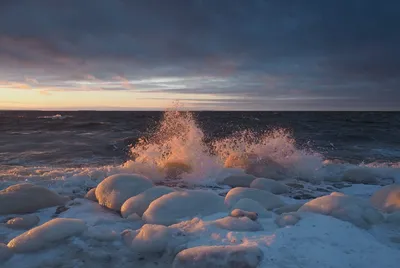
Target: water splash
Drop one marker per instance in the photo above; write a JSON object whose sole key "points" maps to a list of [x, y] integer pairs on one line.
{"points": [[177, 149]]}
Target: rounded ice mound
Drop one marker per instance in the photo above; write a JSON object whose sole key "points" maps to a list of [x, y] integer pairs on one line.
{"points": [[5, 253], [27, 198], [47, 234], [266, 199], [238, 180], [360, 175], [393, 218], [219, 256], [113, 191], [387, 199], [242, 224], [238, 213], [269, 185], [150, 238], [91, 195], [345, 208], [169, 208], [23, 222], [251, 205], [138, 204], [287, 219], [288, 208]]}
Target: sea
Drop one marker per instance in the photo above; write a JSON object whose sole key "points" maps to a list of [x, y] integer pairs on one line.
{"points": [[35, 142]]}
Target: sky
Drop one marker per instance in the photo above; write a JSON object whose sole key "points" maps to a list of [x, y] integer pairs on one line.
{"points": [[206, 54]]}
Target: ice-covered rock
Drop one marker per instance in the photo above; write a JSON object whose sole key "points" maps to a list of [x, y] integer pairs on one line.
{"points": [[5, 253], [113, 191], [266, 168], [393, 218], [47, 234], [219, 257], [360, 175], [169, 208], [269, 185], [266, 199], [238, 213], [101, 233], [27, 198], [91, 195], [138, 204], [387, 199], [150, 238], [287, 219], [288, 208], [252, 206], [23, 222], [346, 208], [238, 180], [242, 224]]}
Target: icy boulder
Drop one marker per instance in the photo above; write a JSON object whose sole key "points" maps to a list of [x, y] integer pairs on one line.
{"points": [[91, 195], [47, 235], [360, 175], [288, 208], [266, 168], [169, 208], [138, 204], [113, 191], [269, 185], [27, 198], [219, 256], [266, 199], [23, 222], [387, 199], [393, 218], [287, 219], [345, 208], [250, 205], [150, 238], [5, 253], [238, 180], [242, 224], [238, 213]]}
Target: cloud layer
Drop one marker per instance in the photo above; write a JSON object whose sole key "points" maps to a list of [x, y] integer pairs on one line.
{"points": [[263, 50]]}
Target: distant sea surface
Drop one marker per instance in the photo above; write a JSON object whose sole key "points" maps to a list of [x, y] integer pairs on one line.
{"points": [[80, 139]]}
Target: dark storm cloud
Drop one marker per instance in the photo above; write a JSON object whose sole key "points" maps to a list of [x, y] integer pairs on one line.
{"points": [[319, 48]]}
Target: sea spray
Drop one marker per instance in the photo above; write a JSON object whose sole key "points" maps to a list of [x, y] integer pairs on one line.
{"points": [[178, 144]]}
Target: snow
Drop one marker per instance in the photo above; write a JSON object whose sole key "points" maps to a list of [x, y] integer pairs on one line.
{"points": [[113, 191], [208, 234], [346, 208], [23, 222], [27, 198], [266, 199], [172, 207], [219, 256], [251, 205], [54, 231], [138, 204], [269, 185], [5, 253], [288, 208], [91, 195], [238, 213], [287, 219], [387, 199], [242, 224], [150, 238]]}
